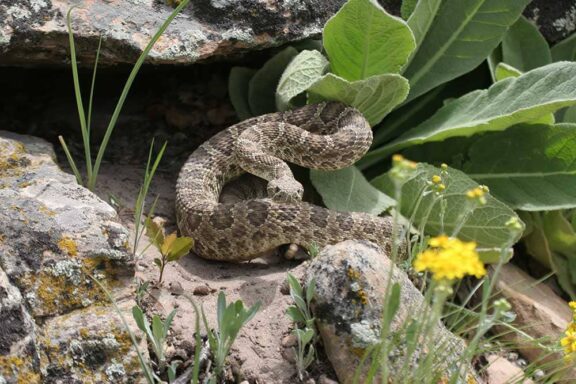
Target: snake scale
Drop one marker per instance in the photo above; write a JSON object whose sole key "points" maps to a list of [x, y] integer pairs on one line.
{"points": [[326, 136]]}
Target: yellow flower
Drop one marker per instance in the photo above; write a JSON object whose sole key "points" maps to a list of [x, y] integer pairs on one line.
{"points": [[449, 259], [568, 342], [436, 179]]}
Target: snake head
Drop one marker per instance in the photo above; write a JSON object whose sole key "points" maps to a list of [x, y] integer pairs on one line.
{"points": [[285, 190]]}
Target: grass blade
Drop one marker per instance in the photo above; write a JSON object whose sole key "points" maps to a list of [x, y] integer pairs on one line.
{"points": [[78, 94], [126, 89], [92, 86], [71, 161]]}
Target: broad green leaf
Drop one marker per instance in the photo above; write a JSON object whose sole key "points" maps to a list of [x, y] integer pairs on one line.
{"points": [[493, 255], [407, 8], [347, 190], [565, 50], [422, 17], [486, 224], [303, 71], [167, 244], [411, 114], [262, 86], [508, 102], [180, 247], [454, 37], [238, 90], [524, 47], [530, 167], [375, 96], [504, 71], [363, 40], [568, 115], [155, 233]]}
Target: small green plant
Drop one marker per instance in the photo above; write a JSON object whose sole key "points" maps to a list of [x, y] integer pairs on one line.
{"points": [[231, 318], [92, 169], [156, 334], [149, 172], [171, 247], [305, 329], [141, 290]]}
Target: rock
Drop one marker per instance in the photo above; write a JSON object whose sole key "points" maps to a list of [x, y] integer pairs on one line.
{"points": [[289, 341], [201, 290], [502, 371], [53, 235], [34, 31], [540, 313], [350, 285], [555, 19]]}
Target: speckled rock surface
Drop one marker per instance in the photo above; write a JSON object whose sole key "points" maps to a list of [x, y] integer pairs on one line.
{"points": [[53, 233], [34, 31], [350, 285]]}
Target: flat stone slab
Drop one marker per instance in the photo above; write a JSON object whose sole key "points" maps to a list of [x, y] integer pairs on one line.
{"points": [[34, 31]]}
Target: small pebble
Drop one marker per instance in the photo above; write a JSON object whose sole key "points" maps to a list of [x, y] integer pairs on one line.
{"points": [[512, 356], [175, 288], [201, 290], [289, 341], [285, 287], [539, 374]]}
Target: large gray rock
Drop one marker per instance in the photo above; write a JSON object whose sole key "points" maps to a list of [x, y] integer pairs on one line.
{"points": [[350, 285], [34, 31], [55, 322]]}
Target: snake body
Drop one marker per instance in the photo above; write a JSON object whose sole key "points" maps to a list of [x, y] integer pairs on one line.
{"points": [[324, 136]]}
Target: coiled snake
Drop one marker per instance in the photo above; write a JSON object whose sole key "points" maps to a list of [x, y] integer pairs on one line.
{"points": [[325, 136]]}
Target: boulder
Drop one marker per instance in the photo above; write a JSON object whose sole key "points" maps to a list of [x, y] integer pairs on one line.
{"points": [[57, 325], [34, 31], [540, 314], [350, 285]]}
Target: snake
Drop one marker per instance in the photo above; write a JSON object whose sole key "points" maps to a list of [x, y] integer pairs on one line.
{"points": [[326, 136]]}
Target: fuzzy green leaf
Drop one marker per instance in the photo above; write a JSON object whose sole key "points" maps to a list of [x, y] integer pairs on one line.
{"points": [[565, 50], [347, 190], [524, 47], [504, 71], [363, 40], [530, 167], [407, 8], [303, 71], [486, 224], [375, 97], [238, 91], [262, 86], [506, 103], [454, 37]]}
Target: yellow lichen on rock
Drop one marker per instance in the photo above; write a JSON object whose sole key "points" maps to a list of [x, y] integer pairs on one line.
{"points": [[20, 368], [68, 245]]}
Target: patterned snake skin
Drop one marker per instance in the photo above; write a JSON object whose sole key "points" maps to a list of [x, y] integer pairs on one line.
{"points": [[322, 136]]}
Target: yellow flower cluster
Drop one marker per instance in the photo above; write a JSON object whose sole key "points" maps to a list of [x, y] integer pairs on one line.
{"points": [[477, 194], [450, 258], [402, 169], [568, 342]]}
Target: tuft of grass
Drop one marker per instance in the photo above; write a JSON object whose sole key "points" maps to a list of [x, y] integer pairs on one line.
{"points": [[92, 169]]}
